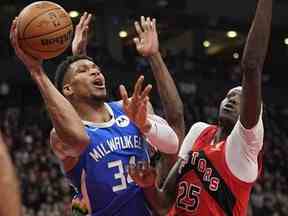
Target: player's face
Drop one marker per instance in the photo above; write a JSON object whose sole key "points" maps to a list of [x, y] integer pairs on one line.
{"points": [[230, 106], [87, 81]]}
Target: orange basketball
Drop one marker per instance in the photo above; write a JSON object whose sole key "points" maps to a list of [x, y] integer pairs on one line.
{"points": [[45, 29]]}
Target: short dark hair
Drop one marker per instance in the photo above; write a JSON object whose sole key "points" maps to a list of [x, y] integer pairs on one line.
{"points": [[63, 68]]}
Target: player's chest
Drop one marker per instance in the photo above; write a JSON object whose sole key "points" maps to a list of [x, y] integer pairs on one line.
{"points": [[204, 165], [210, 151]]}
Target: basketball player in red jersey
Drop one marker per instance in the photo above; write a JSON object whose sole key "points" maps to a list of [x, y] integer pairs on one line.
{"points": [[218, 165]]}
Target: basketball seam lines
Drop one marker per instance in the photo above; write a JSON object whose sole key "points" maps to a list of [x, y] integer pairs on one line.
{"points": [[39, 50], [27, 25], [47, 33]]}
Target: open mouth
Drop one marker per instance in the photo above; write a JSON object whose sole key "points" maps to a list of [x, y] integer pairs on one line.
{"points": [[99, 84], [228, 107]]}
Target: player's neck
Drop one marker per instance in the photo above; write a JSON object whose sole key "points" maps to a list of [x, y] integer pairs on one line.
{"points": [[221, 134], [225, 127], [96, 113]]}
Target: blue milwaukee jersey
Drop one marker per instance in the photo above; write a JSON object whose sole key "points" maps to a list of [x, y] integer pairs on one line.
{"points": [[102, 167]]}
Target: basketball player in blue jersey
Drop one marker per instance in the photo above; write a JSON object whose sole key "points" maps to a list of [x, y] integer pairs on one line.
{"points": [[95, 140], [147, 45]]}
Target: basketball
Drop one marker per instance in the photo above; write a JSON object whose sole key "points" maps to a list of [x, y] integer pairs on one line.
{"points": [[45, 29]]}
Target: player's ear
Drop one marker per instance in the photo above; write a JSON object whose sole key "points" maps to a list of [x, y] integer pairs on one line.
{"points": [[67, 90]]}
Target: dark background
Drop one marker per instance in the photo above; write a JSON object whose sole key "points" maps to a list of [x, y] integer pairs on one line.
{"points": [[203, 75]]}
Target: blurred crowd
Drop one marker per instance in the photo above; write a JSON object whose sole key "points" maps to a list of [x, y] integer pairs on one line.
{"points": [[44, 188], [45, 191]]}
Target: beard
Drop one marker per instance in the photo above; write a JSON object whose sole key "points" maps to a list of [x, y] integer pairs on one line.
{"points": [[100, 98]]}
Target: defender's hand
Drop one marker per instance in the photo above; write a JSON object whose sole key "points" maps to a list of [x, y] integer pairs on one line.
{"points": [[142, 174], [80, 40], [33, 64], [136, 106], [147, 41]]}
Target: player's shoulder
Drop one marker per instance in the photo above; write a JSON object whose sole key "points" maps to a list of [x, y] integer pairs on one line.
{"points": [[189, 140], [118, 102], [196, 130], [198, 127]]}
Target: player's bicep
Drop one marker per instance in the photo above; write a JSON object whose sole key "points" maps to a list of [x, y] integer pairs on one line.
{"points": [[61, 149]]}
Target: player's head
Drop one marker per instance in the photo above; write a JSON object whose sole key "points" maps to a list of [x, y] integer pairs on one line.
{"points": [[230, 107], [78, 78]]}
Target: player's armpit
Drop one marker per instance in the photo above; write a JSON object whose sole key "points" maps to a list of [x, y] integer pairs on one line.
{"points": [[62, 149]]}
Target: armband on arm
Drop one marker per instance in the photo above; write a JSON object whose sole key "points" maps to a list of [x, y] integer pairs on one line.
{"points": [[162, 136]]}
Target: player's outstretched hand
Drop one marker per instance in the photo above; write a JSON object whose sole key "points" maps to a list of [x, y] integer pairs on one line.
{"points": [[142, 174], [147, 43], [136, 106], [80, 40], [33, 64]]}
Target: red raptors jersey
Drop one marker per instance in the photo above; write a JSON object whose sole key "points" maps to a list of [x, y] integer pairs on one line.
{"points": [[206, 186]]}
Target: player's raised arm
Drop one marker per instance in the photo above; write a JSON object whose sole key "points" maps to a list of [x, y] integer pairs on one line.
{"points": [[156, 129], [147, 45], [252, 64], [66, 121], [80, 40], [9, 185], [246, 139]]}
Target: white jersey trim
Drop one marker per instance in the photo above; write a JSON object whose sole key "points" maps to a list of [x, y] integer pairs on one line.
{"points": [[190, 139], [103, 124]]}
